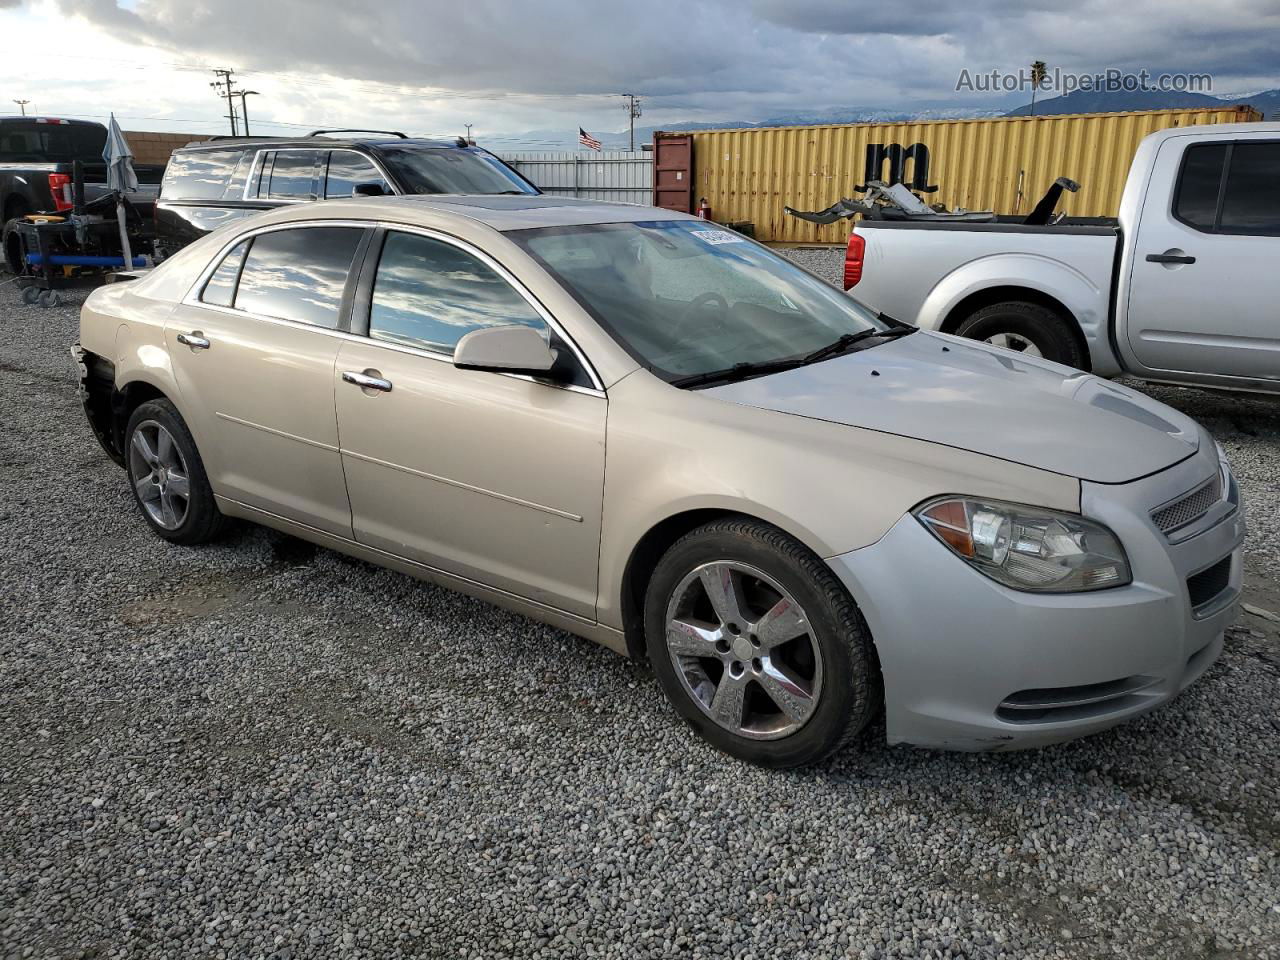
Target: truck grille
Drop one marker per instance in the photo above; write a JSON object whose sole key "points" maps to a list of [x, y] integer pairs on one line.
{"points": [[1190, 508], [1205, 586]]}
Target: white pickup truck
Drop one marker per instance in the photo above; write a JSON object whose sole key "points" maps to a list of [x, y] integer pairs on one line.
{"points": [[1184, 287]]}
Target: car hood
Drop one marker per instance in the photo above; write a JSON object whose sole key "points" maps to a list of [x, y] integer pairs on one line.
{"points": [[969, 395]]}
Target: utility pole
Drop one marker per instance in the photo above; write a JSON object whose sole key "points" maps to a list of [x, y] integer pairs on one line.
{"points": [[22, 105], [223, 86], [244, 107], [633, 111]]}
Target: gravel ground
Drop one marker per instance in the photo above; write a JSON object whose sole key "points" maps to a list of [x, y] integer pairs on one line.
{"points": [[260, 749]]}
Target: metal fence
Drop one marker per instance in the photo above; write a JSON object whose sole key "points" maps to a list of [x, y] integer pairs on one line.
{"points": [[616, 175]]}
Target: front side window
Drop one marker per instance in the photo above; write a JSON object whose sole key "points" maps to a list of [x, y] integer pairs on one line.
{"points": [[430, 294], [686, 298], [346, 169], [293, 175], [298, 274], [1196, 198], [220, 290], [452, 170], [1251, 203]]}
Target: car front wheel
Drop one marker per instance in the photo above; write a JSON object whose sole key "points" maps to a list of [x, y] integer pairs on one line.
{"points": [[758, 645], [167, 476]]}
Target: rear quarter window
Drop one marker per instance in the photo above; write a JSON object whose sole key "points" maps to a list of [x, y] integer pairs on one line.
{"points": [[200, 174]]}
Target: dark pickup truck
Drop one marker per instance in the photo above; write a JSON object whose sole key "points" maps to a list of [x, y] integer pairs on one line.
{"points": [[37, 162]]}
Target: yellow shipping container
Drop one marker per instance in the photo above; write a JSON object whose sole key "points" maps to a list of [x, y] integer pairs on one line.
{"points": [[999, 163]]}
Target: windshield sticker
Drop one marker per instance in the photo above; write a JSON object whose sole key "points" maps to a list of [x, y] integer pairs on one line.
{"points": [[716, 236]]}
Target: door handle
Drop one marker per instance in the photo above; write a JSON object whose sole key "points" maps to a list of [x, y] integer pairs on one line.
{"points": [[193, 340], [366, 380], [1169, 258]]}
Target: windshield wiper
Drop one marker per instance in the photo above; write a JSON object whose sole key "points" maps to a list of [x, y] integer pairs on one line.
{"points": [[845, 341], [739, 371]]}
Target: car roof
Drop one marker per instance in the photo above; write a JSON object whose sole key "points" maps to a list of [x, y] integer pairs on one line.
{"points": [[318, 143], [1265, 128], [505, 213], [497, 211]]}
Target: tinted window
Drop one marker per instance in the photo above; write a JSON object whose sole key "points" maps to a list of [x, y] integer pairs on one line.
{"points": [[346, 169], [1196, 201], [298, 274], [430, 294], [452, 170], [1252, 201], [30, 142], [199, 175], [221, 286], [293, 175], [235, 183]]}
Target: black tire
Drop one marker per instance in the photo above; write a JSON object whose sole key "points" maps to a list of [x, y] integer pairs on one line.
{"points": [[1047, 329], [12, 248], [851, 691], [203, 521]]}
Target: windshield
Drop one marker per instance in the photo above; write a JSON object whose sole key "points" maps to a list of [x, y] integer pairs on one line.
{"points": [[685, 298], [452, 170]]}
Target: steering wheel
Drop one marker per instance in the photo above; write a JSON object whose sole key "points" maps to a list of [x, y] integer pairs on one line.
{"points": [[700, 302]]}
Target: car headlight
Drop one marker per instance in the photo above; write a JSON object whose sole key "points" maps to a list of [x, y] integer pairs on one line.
{"points": [[1028, 548]]}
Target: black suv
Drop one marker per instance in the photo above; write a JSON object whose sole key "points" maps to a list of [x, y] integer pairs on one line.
{"points": [[215, 182]]}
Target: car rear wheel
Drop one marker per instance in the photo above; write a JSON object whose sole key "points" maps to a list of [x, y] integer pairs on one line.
{"points": [[167, 476], [1026, 328], [758, 645]]}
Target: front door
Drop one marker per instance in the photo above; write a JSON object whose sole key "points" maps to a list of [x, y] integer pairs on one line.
{"points": [[495, 478], [254, 355], [1204, 294]]}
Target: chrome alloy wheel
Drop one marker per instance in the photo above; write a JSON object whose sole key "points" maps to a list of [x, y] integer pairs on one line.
{"points": [[159, 474], [744, 650], [1015, 342]]}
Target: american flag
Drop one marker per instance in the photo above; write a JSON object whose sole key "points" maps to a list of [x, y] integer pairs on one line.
{"points": [[587, 140]]}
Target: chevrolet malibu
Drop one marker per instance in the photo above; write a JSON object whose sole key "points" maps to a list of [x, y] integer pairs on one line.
{"points": [[658, 435]]}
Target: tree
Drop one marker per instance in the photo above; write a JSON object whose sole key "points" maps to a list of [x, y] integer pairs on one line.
{"points": [[1038, 74]]}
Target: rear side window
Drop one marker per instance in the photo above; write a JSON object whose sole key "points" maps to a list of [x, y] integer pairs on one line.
{"points": [[293, 175], [430, 294], [1251, 203], [1196, 199], [220, 290], [298, 274], [199, 174], [346, 169]]}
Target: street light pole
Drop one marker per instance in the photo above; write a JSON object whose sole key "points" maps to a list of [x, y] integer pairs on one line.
{"points": [[22, 105], [244, 107]]}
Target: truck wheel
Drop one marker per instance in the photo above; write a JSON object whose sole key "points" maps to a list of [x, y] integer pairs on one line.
{"points": [[1026, 328], [11, 246]]}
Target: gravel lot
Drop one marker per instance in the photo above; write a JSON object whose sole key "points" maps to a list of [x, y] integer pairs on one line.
{"points": [[260, 749]]}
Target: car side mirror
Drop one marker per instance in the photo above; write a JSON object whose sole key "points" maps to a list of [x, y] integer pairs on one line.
{"points": [[370, 189], [513, 348]]}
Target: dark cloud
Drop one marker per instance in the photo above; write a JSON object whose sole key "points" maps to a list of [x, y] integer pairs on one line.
{"points": [[752, 59]]}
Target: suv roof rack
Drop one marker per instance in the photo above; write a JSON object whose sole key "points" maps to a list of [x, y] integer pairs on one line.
{"points": [[392, 133]]}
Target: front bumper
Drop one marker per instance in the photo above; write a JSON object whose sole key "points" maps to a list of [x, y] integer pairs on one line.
{"points": [[972, 665]]}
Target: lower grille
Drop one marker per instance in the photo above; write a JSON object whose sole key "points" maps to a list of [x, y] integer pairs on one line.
{"points": [[1205, 586], [1055, 704]]}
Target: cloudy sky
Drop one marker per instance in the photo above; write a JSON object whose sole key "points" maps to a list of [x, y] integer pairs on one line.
{"points": [[430, 66]]}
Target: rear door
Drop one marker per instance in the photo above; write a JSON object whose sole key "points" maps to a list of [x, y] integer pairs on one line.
{"points": [[492, 477], [1204, 291], [254, 350], [201, 191]]}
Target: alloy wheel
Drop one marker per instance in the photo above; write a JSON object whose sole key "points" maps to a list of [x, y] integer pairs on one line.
{"points": [[159, 474], [1015, 342], [744, 650]]}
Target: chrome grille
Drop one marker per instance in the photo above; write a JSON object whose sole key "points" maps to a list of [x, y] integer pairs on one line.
{"points": [[1190, 508]]}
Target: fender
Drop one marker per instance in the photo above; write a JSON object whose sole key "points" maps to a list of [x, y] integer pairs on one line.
{"points": [[1083, 299]]}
